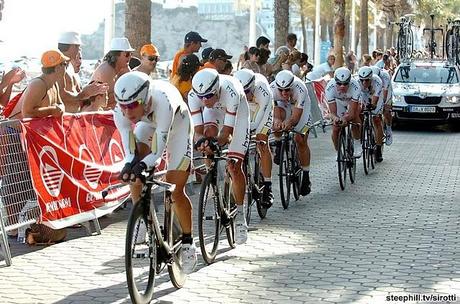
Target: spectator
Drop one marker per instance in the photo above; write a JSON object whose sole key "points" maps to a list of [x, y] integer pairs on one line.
{"points": [[9, 79], [251, 64], [281, 55], [323, 69], [367, 60], [70, 87], [377, 58], [228, 68], [76, 63], [350, 61], [205, 55], [149, 58], [217, 60], [291, 41], [293, 63], [243, 57], [41, 98], [192, 44], [188, 67], [263, 43], [94, 103], [114, 65], [264, 66]]}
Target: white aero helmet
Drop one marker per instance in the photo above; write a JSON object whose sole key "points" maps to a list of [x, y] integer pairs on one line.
{"points": [[205, 82], [284, 79], [342, 76], [132, 86], [365, 72], [247, 78], [375, 70]]}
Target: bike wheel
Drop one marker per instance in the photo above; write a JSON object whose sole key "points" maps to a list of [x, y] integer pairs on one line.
{"points": [[209, 219], [230, 207], [365, 144], [284, 175], [257, 193], [296, 173], [373, 146], [342, 159], [174, 238], [351, 159], [140, 262]]}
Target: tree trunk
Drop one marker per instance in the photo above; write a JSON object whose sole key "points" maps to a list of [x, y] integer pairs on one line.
{"points": [[330, 31], [339, 31], [347, 38], [323, 28], [138, 23], [304, 28], [281, 22], [364, 28], [2, 2]]}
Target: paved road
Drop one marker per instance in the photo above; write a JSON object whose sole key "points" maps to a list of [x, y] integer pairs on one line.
{"points": [[393, 233]]}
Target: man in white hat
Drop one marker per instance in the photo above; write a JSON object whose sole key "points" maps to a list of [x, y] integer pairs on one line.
{"points": [[114, 65], [71, 91]]}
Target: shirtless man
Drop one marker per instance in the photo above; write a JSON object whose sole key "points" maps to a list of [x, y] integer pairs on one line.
{"points": [[41, 97], [70, 87], [114, 65]]}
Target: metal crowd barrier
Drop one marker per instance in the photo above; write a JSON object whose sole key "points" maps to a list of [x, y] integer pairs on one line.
{"points": [[18, 201]]}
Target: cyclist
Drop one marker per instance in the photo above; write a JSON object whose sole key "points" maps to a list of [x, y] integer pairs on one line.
{"points": [[342, 94], [292, 111], [387, 92], [218, 102], [260, 99], [371, 95], [161, 119]]}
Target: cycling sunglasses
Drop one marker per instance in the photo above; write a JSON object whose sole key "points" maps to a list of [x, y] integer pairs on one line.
{"points": [[284, 90], [342, 84], [153, 58], [206, 96], [131, 105]]}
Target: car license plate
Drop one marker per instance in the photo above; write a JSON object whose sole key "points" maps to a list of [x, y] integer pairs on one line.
{"points": [[423, 109]]}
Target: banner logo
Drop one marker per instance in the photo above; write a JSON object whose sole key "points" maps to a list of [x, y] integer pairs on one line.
{"points": [[50, 171]]}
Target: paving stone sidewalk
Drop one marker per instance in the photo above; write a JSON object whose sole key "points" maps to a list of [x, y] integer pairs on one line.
{"points": [[393, 233]]}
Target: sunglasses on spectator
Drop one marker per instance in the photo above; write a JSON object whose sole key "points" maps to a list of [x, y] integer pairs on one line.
{"points": [[153, 58], [128, 54], [131, 106], [206, 96], [65, 63], [284, 90]]}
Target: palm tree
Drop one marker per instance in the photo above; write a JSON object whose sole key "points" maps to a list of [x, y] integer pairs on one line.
{"points": [[138, 22], [281, 21], [339, 31], [364, 27], [2, 2]]}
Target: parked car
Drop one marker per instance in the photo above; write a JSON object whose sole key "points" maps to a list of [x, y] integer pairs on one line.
{"points": [[426, 90]]}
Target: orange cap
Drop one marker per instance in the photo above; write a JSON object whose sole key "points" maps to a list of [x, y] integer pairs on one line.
{"points": [[149, 50], [52, 58]]}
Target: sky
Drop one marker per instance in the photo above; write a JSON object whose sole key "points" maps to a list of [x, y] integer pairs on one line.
{"points": [[30, 27]]}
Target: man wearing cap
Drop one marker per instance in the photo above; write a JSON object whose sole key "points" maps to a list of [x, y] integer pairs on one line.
{"points": [[192, 44], [205, 55], [70, 87], [217, 60], [41, 97], [114, 65], [149, 58]]}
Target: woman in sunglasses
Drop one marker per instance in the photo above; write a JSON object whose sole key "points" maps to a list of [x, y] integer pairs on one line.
{"points": [[292, 111], [220, 111], [161, 120], [149, 58]]}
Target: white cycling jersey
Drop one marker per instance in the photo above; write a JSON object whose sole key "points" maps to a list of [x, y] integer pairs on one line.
{"points": [[386, 83], [374, 90], [168, 124], [343, 100], [299, 99], [230, 110], [261, 106]]}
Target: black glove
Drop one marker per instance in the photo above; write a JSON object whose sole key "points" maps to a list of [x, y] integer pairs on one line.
{"points": [[137, 170], [125, 171]]}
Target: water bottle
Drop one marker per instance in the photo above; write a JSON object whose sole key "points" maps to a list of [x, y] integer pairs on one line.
{"points": [[22, 235]]}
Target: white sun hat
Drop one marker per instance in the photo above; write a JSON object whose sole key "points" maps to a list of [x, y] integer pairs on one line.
{"points": [[70, 38], [121, 44]]}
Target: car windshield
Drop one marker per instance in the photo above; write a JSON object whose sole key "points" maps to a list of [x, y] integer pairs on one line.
{"points": [[426, 74]]}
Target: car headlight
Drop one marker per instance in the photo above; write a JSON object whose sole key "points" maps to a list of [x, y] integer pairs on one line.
{"points": [[397, 99], [453, 99]]}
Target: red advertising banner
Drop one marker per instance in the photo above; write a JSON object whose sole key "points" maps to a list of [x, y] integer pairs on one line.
{"points": [[320, 90], [72, 160]]}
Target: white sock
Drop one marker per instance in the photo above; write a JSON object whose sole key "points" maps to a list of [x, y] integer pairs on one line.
{"points": [[241, 212], [306, 168], [267, 179]]}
